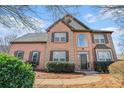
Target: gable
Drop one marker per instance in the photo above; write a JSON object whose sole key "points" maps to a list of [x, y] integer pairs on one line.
{"points": [[71, 22]]}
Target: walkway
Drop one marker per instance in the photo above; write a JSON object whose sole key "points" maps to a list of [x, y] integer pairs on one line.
{"points": [[73, 81]]}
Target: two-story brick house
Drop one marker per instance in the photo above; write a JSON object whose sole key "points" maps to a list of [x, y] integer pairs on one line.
{"points": [[67, 40]]}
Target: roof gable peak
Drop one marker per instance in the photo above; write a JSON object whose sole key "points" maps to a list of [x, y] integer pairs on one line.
{"points": [[71, 22]]}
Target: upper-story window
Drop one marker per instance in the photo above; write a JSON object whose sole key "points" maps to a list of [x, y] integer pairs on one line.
{"points": [[60, 37], [82, 40], [19, 54], [99, 39]]}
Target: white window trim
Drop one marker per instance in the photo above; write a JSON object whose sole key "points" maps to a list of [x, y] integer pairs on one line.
{"points": [[59, 58], [37, 56], [60, 37], [78, 40], [97, 50], [99, 39]]}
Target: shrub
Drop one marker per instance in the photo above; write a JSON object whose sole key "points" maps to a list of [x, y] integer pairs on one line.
{"points": [[117, 70], [60, 67], [102, 67], [14, 73]]}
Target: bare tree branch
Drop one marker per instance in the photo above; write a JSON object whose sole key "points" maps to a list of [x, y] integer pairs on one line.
{"points": [[5, 43]]}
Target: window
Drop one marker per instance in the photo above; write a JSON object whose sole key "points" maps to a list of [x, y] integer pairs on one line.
{"points": [[99, 39], [104, 55], [60, 37], [59, 56], [82, 40], [19, 54], [35, 57]]}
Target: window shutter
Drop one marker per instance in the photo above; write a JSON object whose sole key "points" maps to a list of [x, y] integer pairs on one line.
{"points": [[22, 54], [67, 37], [92, 35], [15, 53], [38, 58], [106, 39], [67, 55], [30, 56], [51, 55], [52, 37]]}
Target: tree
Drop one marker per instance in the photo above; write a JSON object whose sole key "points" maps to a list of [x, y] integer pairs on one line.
{"points": [[117, 14], [19, 14], [25, 19], [5, 43]]}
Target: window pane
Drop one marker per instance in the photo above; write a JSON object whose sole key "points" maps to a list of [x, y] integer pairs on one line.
{"points": [[59, 56], [82, 40], [19, 54], [35, 57], [56, 39], [61, 37], [104, 55], [55, 59], [98, 38]]}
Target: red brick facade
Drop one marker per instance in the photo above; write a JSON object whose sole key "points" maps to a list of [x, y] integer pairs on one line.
{"points": [[70, 46]]}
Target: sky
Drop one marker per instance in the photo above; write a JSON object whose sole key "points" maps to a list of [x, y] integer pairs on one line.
{"points": [[89, 15]]}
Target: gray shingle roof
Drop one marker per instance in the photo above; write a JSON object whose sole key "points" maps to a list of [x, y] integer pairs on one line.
{"points": [[102, 31], [101, 46], [32, 37], [75, 25]]}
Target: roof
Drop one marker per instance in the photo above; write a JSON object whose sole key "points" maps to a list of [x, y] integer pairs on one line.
{"points": [[31, 37], [70, 21], [101, 46], [102, 31], [75, 25]]}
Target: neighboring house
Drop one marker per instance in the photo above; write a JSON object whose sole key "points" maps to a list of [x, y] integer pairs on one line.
{"points": [[67, 40]]}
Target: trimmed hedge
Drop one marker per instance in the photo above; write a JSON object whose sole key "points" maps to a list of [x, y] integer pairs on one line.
{"points": [[14, 73], [60, 67], [102, 67], [117, 70]]}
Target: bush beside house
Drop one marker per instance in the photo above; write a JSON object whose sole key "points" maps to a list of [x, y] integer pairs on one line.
{"points": [[14, 73], [102, 67], [117, 70], [60, 67]]}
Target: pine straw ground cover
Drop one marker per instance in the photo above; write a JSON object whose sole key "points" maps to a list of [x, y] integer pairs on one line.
{"points": [[107, 80], [45, 75]]}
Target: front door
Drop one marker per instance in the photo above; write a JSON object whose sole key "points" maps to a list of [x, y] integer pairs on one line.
{"points": [[83, 60]]}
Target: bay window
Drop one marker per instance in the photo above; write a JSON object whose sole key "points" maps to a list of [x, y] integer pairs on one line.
{"points": [[104, 55]]}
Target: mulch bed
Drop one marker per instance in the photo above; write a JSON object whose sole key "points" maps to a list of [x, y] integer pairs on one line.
{"points": [[106, 82], [45, 75]]}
